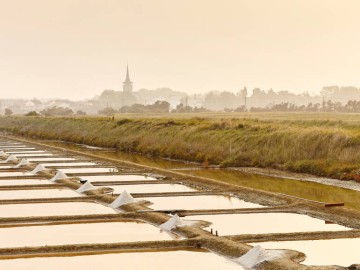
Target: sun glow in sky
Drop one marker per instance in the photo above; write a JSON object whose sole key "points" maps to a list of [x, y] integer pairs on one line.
{"points": [[77, 48]]}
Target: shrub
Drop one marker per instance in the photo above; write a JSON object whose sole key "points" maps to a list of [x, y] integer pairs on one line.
{"points": [[32, 113]]}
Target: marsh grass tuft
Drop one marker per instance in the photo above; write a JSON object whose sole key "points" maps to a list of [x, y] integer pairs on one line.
{"points": [[299, 143]]}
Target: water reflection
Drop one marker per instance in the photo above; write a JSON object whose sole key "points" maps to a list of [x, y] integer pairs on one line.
{"points": [[228, 224], [107, 232], [155, 188], [323, 252], [198, 202], [24, 182], [159, 260], [53, 209], [37, 193], [307, 190]]}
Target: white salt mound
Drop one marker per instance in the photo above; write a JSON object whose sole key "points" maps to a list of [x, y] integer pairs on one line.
{"points": [[11, 158], [85, 187], [124, 198], [39, 168], [175, 221], [23, 162], [258, 255], [2, 154], [59, 175]]}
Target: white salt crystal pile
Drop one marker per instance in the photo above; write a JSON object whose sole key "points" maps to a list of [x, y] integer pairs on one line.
{"points": [[124, 198], [257, 255]]}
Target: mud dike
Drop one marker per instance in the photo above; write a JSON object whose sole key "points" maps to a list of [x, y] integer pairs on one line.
{"points": [[55, 203]]}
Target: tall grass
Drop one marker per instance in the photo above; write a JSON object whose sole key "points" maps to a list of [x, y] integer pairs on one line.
{"points": [[318, 146]]}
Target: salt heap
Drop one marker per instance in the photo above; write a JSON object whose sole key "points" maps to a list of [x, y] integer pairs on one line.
{"points": [[11, 158], [23, 162], [124, 198], [2, 154], [38, 168], [173, 222], [59, 175], [257, 255], [85, 187]]}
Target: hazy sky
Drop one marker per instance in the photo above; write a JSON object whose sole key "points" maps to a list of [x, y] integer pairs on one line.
{"points": [[77, 48]]}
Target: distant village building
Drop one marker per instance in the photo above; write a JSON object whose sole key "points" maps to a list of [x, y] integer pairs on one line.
{"points": [[127, 84]]}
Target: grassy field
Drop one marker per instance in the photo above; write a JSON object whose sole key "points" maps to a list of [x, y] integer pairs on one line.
{"points": [[321, 144]]}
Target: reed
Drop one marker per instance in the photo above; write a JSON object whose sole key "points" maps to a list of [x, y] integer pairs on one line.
{"points": [[297, 143]]}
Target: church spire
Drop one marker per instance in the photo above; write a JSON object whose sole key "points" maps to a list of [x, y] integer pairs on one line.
{"points": [[127, 74], [127, 84]]}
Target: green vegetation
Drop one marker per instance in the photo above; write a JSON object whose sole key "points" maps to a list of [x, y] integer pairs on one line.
{"points": [[32, 113], [308, 143]]}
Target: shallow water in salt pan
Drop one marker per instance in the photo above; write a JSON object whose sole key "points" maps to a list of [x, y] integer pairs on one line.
{"points": [[6, 167], [151, 188], [198, 202], [89, 170], [50, 159], [53, 209], [109, 178], [72, 164], [229, 224], [174, 260], [342, 252], [18, 152], [36, 155], [15, 174], [8, 146], [37, 193], [17, 148], [85, 233], [23, 182]]}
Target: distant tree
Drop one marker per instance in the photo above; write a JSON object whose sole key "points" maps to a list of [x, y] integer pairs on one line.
{"points": [[124, 109], [201, 109], [80, 113], [116, 99], [137, 108], [57, 111], [159, 107], [107, 111], [8, 112], [36, 101], [240, 109], [182, 109], [32, 113]]}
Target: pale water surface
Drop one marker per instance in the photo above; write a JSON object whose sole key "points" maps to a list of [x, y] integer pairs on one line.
{"points": [[228, 224], [53, 209], [25, 152], [174, 260], [35, 155], [6, 149], [198, 202], [89, 170], [37, 193], [343, 252], [15, 174], [151, 188], [109, 178], [23, 182], [102, 232], [50, 159], [71, 164]]}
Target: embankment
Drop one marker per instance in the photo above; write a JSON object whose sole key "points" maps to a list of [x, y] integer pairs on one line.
{"points": [[320, 147]]}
